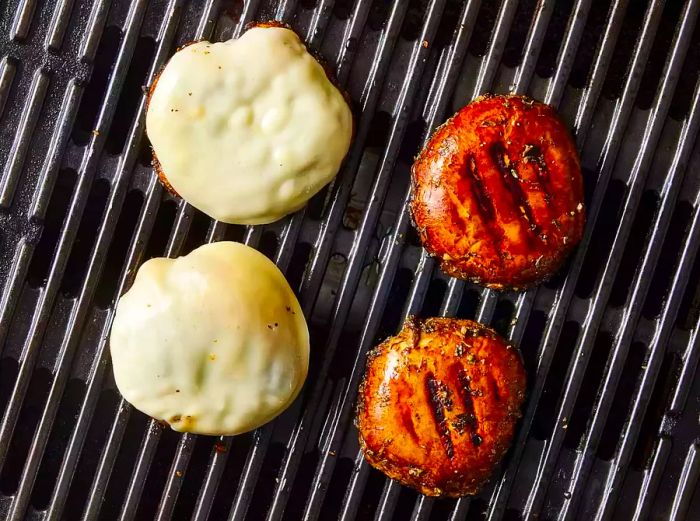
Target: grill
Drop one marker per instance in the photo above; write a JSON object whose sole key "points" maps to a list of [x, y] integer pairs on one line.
{"points": [[611, 426]]}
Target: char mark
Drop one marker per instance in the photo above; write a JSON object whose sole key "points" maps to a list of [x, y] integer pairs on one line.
{"points": [[435, 404], [494, 387], [511, 181], [465, 393], [488, 212], [407, 420], [534, 154]]}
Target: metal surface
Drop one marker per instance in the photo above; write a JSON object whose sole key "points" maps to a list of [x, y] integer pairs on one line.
{"points": [[611, 427]]}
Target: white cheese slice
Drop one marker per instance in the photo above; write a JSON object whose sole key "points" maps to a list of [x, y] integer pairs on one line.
{"points": [[213, 342], [250, 129]]}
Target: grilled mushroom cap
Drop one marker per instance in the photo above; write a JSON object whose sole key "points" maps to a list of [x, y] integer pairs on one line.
{"points": [[438, 405], [498, 193]]}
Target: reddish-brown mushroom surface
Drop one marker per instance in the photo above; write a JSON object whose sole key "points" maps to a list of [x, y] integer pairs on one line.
{"points": [[498, 193], [438, 405]]}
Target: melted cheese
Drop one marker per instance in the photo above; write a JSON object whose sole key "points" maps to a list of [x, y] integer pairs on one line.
{"points": [[248, 130], [213, 342]]}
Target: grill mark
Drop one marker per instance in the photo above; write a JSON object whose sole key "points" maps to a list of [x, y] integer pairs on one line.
{"points": [[436, 409], [465, 393], [534, 154], [494, 387], [445, 396], [486, 209], [488, 228], [407, 420], [498, 154]]}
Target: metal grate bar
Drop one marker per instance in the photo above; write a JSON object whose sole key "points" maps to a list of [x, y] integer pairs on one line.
{"points": [[353, 31], [285, 9], [18, 271], [185, 213], [251, 470], [647, 491], [348, 509], [319, 21], [99, 486], [7, 75], [23, 19], [59, 24], [565, 59], [387, 503], [59, 140], [27, 124], [450, 304], [584, 459], [422, 508], [691, 356], [212, 479], [94, 29], [533, 45], [178, 469], [487, 71], [591, 324], [686, 485], [138, 477], [604, 56], [551, 335]]}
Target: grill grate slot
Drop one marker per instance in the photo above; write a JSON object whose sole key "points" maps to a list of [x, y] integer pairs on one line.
{"points": [[611, 343]]}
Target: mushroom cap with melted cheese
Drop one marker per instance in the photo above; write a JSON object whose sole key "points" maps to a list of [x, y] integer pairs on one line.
{"points": [[249, 129], [214, 342]]}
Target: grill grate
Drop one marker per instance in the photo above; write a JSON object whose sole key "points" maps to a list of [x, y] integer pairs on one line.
{"points": [[612, 343]]}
